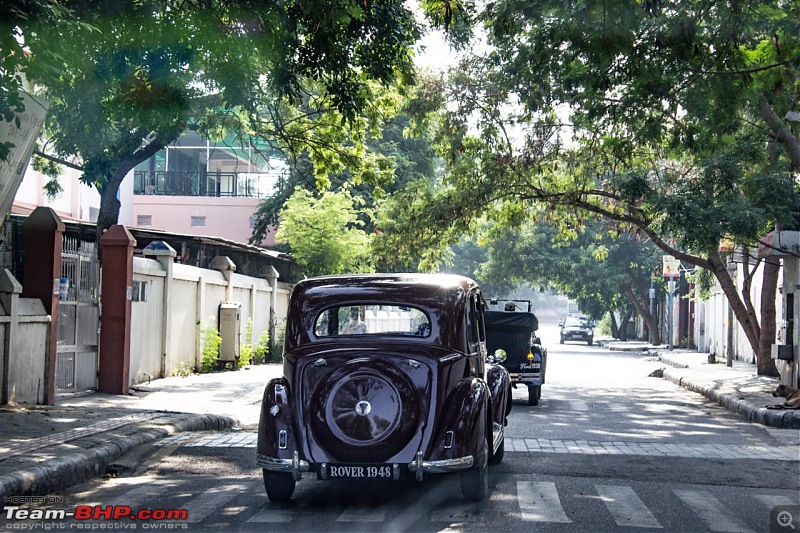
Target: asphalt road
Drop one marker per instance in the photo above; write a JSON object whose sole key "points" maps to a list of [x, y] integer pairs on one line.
{"points": [[608, 449]]}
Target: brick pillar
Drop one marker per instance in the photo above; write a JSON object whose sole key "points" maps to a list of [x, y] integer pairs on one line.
{"points": [[42, 235], [115, 308]]}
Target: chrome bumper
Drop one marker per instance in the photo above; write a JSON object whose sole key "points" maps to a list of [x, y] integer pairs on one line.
{"points": [[443, 466], [295, 465]]}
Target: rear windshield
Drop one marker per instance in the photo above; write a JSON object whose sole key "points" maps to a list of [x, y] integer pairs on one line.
{"points": [[372, 320]]}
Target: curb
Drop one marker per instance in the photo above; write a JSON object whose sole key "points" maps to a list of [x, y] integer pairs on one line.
{"points": [[745, 408], [70, 469]]}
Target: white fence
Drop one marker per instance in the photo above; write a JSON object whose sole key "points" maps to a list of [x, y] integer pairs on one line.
{"points": [[173, 302], [24, 339]]}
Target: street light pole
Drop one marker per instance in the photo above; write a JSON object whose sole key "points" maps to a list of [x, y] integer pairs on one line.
{"points": [[670, 290], [652, 295]]}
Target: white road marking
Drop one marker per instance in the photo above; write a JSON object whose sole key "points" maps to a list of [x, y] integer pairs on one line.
{"points": [[711, 511], [774, 500], [203, 505], [626, 507], [539, 502], [362, 513], [271, 515]]}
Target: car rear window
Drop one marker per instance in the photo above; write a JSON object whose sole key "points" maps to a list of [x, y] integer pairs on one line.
{"points": [[372, 319]]}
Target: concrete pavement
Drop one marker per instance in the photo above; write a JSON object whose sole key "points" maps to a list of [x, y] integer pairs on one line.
{"points": [[736, 388], [44, 449]]}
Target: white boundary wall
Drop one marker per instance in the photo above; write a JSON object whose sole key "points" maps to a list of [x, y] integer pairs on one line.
{"points": [[172, 302]]}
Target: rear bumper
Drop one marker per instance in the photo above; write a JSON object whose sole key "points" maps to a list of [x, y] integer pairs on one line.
{"points": [[420, 467], [297, 467], [527, 379]]}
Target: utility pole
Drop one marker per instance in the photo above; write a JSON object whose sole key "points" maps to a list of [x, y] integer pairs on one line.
{"points": [[670, 290]]}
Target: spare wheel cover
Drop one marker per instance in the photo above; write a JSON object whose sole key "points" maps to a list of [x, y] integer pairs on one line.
{"points": [[365, 411]]}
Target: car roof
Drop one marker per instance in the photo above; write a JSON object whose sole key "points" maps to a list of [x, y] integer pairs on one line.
{"points": [[441, 296], [384, 287]]}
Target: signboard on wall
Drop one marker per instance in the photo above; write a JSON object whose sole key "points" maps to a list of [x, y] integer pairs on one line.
{"points": [[22, 134], [671, 267]]}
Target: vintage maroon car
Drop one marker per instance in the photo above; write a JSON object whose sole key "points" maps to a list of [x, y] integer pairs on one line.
{"points": [[384, 376]]}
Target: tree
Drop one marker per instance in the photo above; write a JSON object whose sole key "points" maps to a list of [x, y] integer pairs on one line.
{"points": [[397, 159], [324, 233], [604, 272], [650, 116], [135, 74]]}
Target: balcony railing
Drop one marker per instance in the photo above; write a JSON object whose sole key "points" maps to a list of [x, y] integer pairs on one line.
{"points": [[230, 184]]}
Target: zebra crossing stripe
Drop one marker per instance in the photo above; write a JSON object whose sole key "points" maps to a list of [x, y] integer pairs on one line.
{"points": [[626, 507], [362, 513], [202, 506], [271, 515], [711, 511], [539, 502], [774, 500]]}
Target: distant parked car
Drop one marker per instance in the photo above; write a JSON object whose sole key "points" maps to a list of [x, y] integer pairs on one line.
{"points": [[577, 328], [514, 331], [384, 376]]}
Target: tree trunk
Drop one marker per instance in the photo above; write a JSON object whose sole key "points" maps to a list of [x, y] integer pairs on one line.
{"points": [[614, 327], [623, 327], [781, 134], [769, 288], [644, 312]]}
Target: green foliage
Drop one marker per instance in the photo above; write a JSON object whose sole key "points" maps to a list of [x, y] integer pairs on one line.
{"points": [[261, 351], [312, 77], [246, 347], [183, 370], [250, 353], [210, 341], [52, 170], [703, 283], [324, 233], [604, 326]]}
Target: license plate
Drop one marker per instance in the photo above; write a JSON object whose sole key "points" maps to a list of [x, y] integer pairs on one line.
{"points": [[360, 471], [530, 366]]}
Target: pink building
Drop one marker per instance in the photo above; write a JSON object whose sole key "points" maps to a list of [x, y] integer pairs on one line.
{"points": [[199, 187]]}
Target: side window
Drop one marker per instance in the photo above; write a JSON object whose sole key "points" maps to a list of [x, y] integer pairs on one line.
{"points": [[474, 333]]}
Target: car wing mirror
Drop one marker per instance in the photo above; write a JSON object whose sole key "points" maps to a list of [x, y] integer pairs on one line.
{"points": [[498, 356]]}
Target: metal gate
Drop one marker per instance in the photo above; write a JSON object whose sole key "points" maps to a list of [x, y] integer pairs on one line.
{"points": [[78, 316]]}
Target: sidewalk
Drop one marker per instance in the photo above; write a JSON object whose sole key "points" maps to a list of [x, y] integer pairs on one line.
{"points": [[44, 449], [737, 388]]}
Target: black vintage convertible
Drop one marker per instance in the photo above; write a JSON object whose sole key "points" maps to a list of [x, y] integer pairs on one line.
{"points": [[515, 333]]}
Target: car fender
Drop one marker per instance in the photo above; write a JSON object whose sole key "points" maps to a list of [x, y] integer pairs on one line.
{"points": [[276, 417], [499, 382], [465, 416]]}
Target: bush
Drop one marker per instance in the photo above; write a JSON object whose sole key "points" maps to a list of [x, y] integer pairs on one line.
{"points": [[250, 353], [183, 370], [261, 350], [605, 325], [246, 348], [210, 340]]}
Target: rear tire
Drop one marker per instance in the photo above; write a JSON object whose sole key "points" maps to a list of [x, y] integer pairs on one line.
{"points": [[475, 481], [279, 485], [534, 393]]}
